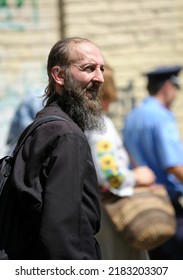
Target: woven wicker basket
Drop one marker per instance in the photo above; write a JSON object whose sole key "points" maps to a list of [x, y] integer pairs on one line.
{"points": [[146, 219]]}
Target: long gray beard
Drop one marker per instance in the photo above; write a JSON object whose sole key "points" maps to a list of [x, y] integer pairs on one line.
{"points": [[85, 112]]}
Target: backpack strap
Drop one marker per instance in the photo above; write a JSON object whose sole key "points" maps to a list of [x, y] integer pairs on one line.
{"points": [[32, 127]]}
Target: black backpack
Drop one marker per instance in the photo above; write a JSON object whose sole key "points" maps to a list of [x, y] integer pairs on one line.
{"points": [[9, 225]]}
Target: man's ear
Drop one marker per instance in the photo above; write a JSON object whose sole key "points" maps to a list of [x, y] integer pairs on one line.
{"points": [[58, 75]]}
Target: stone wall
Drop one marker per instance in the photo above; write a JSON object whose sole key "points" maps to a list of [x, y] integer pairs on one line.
{"points": [[27, 31], [134, 36]]}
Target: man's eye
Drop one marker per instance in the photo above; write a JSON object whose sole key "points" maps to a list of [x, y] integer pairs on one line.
{"points": [[89, 69]]}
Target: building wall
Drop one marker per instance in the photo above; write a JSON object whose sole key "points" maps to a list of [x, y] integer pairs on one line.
{"points": [[133, 35], [27, 31]]}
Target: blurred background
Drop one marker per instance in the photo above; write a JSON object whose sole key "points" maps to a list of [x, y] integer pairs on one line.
{"points": [[133, 35]]}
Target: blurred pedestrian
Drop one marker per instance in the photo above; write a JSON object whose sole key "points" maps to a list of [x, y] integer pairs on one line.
{"points": [[114, 175], [24, 115], [152, 138]]}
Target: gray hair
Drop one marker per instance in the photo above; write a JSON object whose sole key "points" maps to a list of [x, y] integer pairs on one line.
{"points": [[60, 55]]}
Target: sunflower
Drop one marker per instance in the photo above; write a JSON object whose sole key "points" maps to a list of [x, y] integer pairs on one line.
{"points": [[108, 162], [115, 181], [103, 146]]}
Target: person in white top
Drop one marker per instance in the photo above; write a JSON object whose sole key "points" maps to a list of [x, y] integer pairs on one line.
{"points": [[114, 175]]}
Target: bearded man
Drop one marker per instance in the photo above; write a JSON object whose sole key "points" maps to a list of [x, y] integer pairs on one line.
{"points": [[54, 175]]}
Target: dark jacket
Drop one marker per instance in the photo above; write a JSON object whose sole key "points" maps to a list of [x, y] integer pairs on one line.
{"points": [[58, 193]]}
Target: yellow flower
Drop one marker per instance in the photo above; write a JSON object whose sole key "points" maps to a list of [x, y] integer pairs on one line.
{"points": [[115, 181], [103, 146], [108, 162]]}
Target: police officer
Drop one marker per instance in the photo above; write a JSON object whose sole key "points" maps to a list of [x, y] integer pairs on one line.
{"points": [[152, 138]]}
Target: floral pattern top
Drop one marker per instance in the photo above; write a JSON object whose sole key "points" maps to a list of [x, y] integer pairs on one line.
{"points": [[111, 160]]}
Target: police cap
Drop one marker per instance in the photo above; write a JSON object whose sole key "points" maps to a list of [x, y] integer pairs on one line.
{"points": [[161, 74]]}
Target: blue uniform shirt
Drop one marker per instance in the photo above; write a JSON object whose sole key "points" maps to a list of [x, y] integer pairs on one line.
{"points": [[152, 138], [25, 114]]}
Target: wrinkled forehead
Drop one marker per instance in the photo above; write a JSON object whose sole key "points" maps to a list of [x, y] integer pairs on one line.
{"points": [[86, 52]]}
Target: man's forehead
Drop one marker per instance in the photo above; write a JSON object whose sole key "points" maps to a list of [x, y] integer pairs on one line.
{"points": [[87, 52]]}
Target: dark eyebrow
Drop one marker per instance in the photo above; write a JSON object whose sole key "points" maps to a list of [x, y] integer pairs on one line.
{"points": [[94, 64]]}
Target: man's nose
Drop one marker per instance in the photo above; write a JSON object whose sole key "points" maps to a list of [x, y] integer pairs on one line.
{"points": [[99, 77]]}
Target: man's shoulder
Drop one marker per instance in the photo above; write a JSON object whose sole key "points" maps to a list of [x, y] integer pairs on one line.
{"points": [[59, 127], [149, 109]]}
